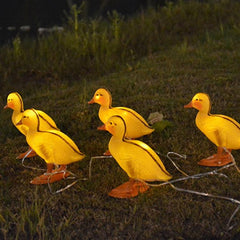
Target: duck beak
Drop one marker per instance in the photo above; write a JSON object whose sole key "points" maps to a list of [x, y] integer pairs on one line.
{"points": [[19, 123], [9, 105], [189, 105], [103, 128], [91, 101]]}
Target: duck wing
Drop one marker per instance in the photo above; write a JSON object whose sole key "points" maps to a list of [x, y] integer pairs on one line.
{"points": [[46, 122], [133, 113]]}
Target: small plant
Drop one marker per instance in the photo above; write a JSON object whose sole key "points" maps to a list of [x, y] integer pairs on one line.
{"points": [[73, 18], [17, 49], [115, 20]]}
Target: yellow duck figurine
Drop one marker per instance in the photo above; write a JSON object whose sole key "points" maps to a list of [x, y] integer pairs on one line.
{"points": [[136, 124], [222, 130], [136, 158], [53, 146], [15, 102]]}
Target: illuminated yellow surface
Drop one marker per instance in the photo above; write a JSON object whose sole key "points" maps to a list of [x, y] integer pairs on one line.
{"points": [[136, 158], [15, 102], [222, 130], [136, 124], [51, 145]]}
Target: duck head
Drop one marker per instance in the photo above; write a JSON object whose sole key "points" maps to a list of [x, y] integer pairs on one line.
{"points": [[201, 102], [15, 102], [103, 97], [30, 119], [116, 126]]}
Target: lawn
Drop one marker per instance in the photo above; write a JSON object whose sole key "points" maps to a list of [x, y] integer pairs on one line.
{"points": [[161, 81]]}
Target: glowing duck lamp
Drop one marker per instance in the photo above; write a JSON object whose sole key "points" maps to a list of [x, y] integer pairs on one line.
{"points": [[53, 146], [222, 130], [15, 102], [137, 126], [136, 158]]}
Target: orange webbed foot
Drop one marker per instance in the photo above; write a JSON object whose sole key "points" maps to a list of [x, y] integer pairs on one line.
{"points": [[51, 175], [129, 189], [43, 179], [50, 178], [216, 160]]}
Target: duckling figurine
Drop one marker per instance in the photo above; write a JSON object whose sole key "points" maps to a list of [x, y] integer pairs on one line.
{"points": [[137, 126], [222, 130], [53, 146], [15, 102], [136, 158]]}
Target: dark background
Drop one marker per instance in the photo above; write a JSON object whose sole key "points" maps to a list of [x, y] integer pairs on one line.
{"points": [[51, 12]]}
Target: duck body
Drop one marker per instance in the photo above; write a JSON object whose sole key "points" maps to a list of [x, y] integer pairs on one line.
{"points": [[222, 130], [136, 158], [55, 147], [137, 126]]}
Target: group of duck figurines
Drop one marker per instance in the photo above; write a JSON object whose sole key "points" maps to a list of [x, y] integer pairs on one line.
{"points": [[137, 159]]}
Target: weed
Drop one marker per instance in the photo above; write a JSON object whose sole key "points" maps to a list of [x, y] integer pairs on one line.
{"points": [[17, 48]]}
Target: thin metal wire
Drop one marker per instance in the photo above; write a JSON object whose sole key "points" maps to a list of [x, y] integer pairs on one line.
{"points": [[206, 194], [90, 164], [213, 196], [174, 164], [199, 175], [231, 218], [27, 166]]}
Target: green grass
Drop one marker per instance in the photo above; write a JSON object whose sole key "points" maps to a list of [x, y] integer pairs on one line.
{"points": [[162, 80]]}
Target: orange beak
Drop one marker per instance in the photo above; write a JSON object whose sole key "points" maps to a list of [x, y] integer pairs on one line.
{"points": [[9, 105], [19, 123], [91, 101], [103, 128], [189, 105]]}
